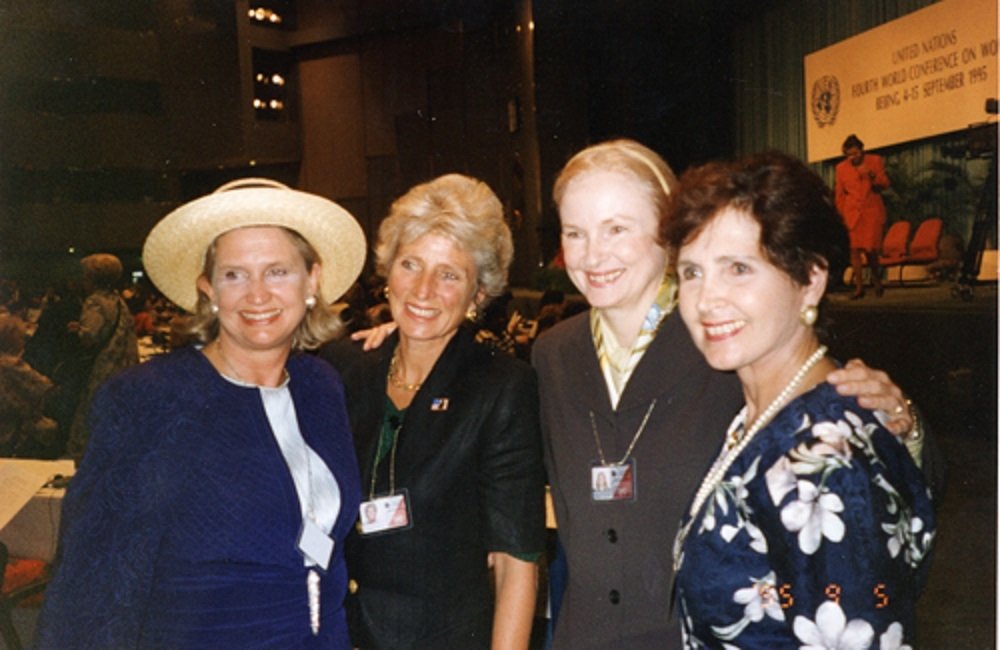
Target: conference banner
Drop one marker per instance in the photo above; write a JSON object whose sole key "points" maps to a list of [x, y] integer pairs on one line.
{"points": [[924, 74]]}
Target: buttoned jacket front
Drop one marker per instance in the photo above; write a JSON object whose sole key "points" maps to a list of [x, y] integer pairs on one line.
{"points": [[619, 553]]}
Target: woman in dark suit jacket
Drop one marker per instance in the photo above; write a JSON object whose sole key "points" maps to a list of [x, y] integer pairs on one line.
{"points": [[447, 436]]}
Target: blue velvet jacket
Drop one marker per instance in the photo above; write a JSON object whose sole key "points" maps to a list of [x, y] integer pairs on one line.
{"points": [[180, 528]]}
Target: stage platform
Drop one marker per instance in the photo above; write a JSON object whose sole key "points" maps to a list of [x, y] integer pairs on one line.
{"points": [[943, 351]]}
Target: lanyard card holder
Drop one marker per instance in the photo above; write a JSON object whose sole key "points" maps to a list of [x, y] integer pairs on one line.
{"points": [[613, 482]]}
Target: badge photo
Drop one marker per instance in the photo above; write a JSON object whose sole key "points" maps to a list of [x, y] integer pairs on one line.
{"points": [[385, 514], [613, 482]]}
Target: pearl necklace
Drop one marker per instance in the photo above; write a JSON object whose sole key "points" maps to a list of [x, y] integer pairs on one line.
{"points": [[394, 378], [731, 452]]}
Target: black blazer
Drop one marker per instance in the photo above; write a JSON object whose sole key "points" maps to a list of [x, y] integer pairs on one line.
{"points": [[619, 553], [475, 480]]}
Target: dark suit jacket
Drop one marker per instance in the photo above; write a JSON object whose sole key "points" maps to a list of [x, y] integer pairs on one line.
{"points": [[475, 480], [619, 553]]}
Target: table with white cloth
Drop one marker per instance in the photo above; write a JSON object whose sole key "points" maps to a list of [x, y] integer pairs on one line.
{"points": [[34, 531], [30, 511]]}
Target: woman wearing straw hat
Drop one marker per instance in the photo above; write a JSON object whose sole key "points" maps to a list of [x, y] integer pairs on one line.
{"points": [[220, 480], [448, 438]]}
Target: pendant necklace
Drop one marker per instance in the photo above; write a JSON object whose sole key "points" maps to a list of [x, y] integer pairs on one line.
{"points": [[732, 450]]}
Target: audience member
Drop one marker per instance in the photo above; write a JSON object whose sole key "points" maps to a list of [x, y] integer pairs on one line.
{"points": [[105, 329], [25, 430], [58, 353]]}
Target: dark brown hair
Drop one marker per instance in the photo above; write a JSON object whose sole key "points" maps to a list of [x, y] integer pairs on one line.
{"points": [[799, 225], [852, 141]]}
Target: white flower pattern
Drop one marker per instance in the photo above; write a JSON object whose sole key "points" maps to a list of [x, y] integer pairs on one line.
{"points": [[832, 631], [795, 502], [892, 639], [814, 516]]}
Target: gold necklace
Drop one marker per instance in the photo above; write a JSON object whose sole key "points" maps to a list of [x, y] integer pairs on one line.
{"points": [[394, 378]]}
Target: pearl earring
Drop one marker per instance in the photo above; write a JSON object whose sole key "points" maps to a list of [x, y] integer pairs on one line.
{"points": [[214, 308], [310, 302], [808, 315]]}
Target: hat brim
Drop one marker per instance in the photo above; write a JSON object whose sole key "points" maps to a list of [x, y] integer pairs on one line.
{"points": [[174, 252]]}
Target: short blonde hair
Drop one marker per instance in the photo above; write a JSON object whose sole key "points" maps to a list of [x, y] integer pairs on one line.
{"points": [[626, 157], [317, 327], [461, 208]]}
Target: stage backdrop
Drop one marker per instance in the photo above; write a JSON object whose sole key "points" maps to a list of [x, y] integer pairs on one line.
{"points": [[924, 74]]}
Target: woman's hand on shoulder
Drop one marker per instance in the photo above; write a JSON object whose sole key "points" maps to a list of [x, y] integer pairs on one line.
{"points": [[874, 390], [374, 337]]}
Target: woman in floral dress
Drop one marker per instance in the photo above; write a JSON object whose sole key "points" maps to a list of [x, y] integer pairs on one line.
{"points": [[813, 526]]}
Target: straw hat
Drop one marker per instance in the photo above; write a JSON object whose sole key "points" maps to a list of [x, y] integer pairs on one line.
{"points": [[174, 252]]}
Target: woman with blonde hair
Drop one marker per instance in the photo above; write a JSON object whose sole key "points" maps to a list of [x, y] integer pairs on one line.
{"points": [[220, 482], [447, 437]]}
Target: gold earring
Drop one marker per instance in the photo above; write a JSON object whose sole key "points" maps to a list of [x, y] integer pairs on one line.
{"points": [[385, 291], [471, 314], [808, 315]]}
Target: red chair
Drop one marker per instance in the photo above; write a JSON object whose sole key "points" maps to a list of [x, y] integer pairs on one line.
{"points": [[924, 247], [20, 580], [894, 246]]}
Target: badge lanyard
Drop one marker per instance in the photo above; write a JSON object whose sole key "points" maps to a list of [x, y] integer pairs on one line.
{"points": [[390, 512], [615, 481]]}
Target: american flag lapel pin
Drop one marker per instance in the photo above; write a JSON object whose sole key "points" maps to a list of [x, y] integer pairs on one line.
{"points": [[439, 404]]}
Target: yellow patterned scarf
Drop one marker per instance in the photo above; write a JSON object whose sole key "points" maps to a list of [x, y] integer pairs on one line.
{"points": [[618, 362]]}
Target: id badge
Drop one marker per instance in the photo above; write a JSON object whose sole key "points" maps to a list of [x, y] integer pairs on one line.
{"points": [[315, 545], [613, 482], [385, 514]]}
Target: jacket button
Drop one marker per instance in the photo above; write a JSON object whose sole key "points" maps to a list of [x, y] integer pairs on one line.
{"points": [[614, 597], [612, 535], [352, 586]]}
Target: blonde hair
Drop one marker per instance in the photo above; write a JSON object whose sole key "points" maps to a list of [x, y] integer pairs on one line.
{"points": [[623, 156], [318, 326], [459, 207]]}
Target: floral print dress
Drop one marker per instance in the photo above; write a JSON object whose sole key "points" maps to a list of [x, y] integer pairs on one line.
{"points": [[816, 537]]}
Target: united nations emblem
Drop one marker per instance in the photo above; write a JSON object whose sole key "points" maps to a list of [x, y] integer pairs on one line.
{"points": [[825, 100]]}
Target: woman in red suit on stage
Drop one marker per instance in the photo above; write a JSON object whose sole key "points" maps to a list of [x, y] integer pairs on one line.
{"points": [[860, 179]]}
